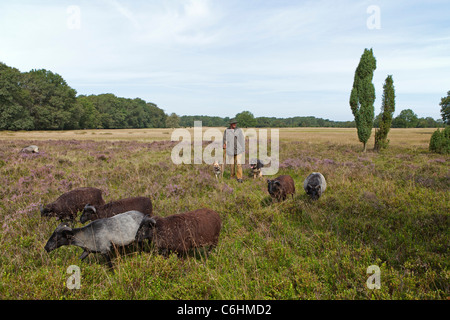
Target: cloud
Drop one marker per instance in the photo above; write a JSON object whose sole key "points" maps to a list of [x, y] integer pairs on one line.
{"points": [[124, 11], [189, 55], [188, 22]]}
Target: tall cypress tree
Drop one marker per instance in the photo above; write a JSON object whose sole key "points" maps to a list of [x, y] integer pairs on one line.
{"points": [[387, 111], [362, 96]]}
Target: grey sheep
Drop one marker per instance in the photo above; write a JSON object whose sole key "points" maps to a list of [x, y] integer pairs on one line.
{"points": [[182, 232], [98, 236], [68, 204], [92, 212], [280, 187], [30, 149], [315, 185]]}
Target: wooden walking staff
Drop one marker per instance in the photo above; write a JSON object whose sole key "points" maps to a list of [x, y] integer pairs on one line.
{"points": [[223, 162]]}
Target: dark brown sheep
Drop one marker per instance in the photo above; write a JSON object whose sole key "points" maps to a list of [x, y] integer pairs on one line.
{"points": [[92, 212], [280, 187], [181, 232], [68, 204]]}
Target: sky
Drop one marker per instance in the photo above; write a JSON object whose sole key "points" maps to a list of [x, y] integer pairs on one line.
{"points": [[281, 58]]}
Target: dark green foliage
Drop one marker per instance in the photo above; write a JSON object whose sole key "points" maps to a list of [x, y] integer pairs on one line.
{"points": [[42, 100], [445, 108], [406, 119], [51, 99], [207, 121], [110, 112], [268, 122], [14, 100], [245, 119], [362, 96], [440, 141], [387, 111], [173, 121]]}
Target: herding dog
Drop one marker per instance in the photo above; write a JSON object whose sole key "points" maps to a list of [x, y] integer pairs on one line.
{"points": [[256, 169], [217, 170]]}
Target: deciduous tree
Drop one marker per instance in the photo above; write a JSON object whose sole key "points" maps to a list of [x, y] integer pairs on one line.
{"points": [[445, 108]]}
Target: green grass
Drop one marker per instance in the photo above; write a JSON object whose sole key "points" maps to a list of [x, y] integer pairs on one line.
{"points": [[389, 209]]}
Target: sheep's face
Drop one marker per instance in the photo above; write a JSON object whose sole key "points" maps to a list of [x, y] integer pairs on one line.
{"points": [[313, 191], [47, 211], [89, 213], [146, 229], [62, 236], [274, 187]]}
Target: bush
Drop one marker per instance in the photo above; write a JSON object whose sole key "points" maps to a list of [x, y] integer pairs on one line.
{"points": [[440, 141]]}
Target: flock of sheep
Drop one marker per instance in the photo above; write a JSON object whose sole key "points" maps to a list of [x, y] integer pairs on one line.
{"points": [[130, 221], [127, 221]]}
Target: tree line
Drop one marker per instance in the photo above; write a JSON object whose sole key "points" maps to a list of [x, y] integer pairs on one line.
{"points": [[406, 119], [42, 100], [246, 120]]}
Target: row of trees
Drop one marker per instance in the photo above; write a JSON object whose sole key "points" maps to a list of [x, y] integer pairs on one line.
{"points": [[362, 100], [406, 119], [42, 100], [246, 119]]}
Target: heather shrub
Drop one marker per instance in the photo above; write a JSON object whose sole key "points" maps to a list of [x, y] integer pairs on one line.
{"points": [[388, 209]]}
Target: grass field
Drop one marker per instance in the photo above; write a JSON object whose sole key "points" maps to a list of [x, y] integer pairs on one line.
{"points": [[389, 209]]}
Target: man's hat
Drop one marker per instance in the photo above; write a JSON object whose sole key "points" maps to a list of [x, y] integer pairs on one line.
{"points": [[233, 121]]}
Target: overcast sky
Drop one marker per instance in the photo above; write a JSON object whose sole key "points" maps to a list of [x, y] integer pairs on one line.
{"points": [[279, 58]]}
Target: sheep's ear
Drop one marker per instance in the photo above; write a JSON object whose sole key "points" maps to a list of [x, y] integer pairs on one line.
{"points": [[90, 206], [149, 221], [277, 182], [65, 230], [152, 222], [268, 181]]}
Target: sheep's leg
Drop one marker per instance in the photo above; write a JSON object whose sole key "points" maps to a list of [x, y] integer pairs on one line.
{"points": [[211, 247], [164, 252], [108, 260], [84, 254], [140, 246]]}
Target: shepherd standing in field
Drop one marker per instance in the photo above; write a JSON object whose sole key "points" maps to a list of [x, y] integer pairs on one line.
{"points": [[234, 143]]}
